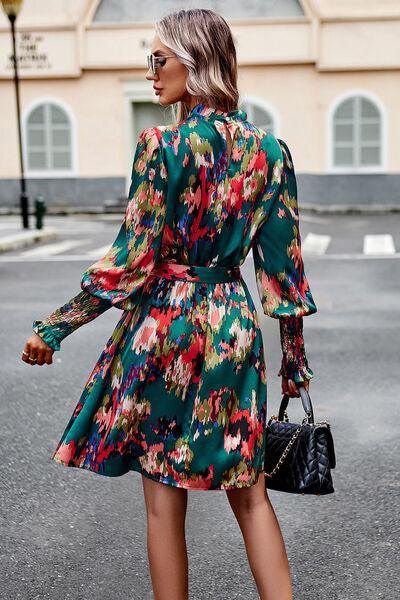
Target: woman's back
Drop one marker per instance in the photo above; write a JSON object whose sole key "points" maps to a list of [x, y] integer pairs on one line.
{"points": [[218, 167]]}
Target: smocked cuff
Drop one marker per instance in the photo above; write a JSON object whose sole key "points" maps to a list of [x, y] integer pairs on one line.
{"points": [[46, 333], [294, 360]]}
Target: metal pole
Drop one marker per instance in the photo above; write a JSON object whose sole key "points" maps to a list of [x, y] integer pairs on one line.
{"points": [[23, 194]]}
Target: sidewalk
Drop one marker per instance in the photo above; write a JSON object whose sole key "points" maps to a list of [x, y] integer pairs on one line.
{"points": [[13, 236]]}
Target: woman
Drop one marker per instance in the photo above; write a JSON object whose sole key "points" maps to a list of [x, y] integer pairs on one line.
{"points": [[179, 391]]}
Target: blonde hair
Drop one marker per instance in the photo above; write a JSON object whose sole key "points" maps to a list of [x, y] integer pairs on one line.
{"points": [[203, 42]]}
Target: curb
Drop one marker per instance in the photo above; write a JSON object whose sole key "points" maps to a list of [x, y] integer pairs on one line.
{"points": [[27, 238], [65, 210], [350, 209]]}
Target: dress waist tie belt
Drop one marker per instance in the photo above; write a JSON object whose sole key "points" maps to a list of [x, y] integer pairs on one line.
{"points": [[217, 274]]}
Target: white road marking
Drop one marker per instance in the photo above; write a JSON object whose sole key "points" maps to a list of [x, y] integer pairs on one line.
{"points": [[80, 230], [379, 244], [50, 249], [315, 246], [314, 243], [99, 251]]}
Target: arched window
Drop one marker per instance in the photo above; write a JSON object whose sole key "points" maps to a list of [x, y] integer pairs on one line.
{"points": [[357, 134], [48, 138], [261, 117]]}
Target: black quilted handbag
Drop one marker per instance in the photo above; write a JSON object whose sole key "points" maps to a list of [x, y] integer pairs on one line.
{"points": [[299, 457]]}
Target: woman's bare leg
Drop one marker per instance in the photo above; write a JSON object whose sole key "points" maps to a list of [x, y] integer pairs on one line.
{"points": [[262, 536], [166, 544]]}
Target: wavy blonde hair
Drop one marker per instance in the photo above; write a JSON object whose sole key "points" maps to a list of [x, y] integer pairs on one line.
{"points": [[203, 42]]}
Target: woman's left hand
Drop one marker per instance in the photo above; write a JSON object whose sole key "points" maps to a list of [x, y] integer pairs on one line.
{"points": [[290, 387]]}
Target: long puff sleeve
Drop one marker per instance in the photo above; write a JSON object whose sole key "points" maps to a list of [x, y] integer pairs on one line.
{"points": [[281, 280], [118, 277]]}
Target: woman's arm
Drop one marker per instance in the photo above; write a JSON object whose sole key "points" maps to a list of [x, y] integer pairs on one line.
{"points": [[121, 274], [78, 311], [282, 284], [117, 279]]}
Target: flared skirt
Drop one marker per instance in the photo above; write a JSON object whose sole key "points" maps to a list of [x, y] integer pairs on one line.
{"points": [[178, 392]]}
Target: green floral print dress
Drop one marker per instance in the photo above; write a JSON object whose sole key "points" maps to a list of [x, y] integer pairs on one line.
{"points": [[179, 391]]}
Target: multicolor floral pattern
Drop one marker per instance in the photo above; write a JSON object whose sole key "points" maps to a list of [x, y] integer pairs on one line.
{"points": [[179, 391]]}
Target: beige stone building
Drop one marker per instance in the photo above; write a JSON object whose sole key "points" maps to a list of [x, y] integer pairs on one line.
{"points": [[324, 75]]}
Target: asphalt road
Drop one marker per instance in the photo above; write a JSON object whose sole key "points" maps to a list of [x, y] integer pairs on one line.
{"points": [[71, 534]]}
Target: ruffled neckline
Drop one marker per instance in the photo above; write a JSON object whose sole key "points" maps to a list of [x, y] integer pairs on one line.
{"points": [[204, 110]]}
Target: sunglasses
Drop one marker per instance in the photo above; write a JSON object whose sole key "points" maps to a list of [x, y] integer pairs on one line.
{"points": [[154, 61]]}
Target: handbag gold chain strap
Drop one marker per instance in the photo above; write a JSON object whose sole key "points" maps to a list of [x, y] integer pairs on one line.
{"points": [[289, 445], [284, 453]]}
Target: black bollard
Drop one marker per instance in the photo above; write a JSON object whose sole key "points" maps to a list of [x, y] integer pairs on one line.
{"points": [[40, 209]]}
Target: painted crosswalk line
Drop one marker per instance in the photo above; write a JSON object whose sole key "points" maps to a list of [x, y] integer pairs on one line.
{"points": [[99, 251], [315, 243], [379, 244], [374, 246], [56, 248]]}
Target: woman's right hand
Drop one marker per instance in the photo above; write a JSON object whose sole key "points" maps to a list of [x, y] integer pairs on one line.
{"points": [[37, 352]]}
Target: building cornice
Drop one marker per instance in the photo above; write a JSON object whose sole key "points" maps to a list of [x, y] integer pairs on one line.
{"points": [[329, 44]]}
